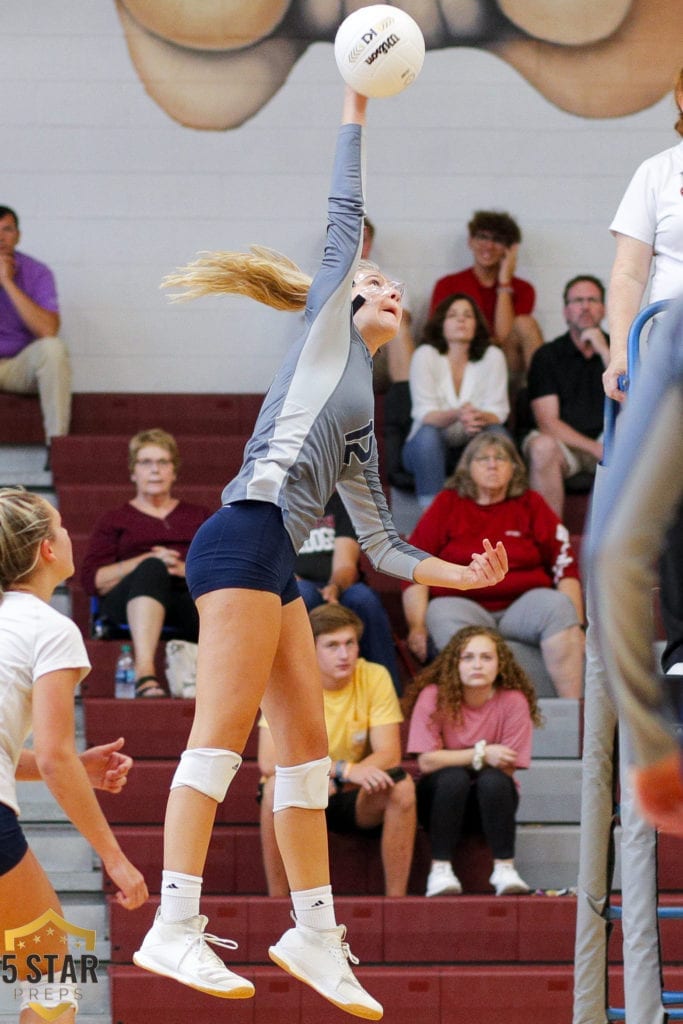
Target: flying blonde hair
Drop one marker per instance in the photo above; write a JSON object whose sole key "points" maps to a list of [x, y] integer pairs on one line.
{"points": [[263, 274]]}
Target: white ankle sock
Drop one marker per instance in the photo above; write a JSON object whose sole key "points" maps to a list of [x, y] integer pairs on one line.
{"points": [[315, 907], [180, 895]]}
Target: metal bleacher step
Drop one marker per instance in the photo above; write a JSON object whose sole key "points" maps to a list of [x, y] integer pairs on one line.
{"points": [[560, 734], [66, 857], [25, 464], [550, 792]]}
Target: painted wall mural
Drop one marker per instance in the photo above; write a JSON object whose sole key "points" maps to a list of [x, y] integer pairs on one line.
{"points": [[213, 64]]}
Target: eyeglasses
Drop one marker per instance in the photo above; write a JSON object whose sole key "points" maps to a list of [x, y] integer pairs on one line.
{"points": [[491, 458], [154, 463], [489, 236], [589, 300], [375, 284]]}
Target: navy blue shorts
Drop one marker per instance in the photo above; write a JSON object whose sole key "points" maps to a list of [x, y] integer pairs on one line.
{"points": [[246, 545], [13, 845]]}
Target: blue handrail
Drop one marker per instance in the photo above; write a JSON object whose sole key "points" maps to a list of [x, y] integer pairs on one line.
{"points": [[633, 365], [633, 341]]}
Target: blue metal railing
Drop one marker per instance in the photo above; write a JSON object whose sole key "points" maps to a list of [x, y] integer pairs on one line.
{"points": [[633, 365]]}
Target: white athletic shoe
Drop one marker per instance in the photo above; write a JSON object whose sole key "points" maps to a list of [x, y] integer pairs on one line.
{"points": [[179, 950], [442, 880], [321, 959], [506, 881]]}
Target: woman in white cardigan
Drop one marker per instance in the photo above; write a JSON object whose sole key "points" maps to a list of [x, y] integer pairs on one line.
{"points": [[458, 387]]}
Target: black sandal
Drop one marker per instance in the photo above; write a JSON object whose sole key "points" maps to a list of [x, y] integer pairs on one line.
{"points": [[148, 687]]}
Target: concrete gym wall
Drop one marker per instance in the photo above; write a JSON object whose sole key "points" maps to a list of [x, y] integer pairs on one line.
{"points": [[112, 193]]}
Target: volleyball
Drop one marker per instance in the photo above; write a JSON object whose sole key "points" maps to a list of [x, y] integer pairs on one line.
{"points": [[379, 50]]}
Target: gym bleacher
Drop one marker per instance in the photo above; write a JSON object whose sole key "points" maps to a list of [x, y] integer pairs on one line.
{"points": [[474, 958]]}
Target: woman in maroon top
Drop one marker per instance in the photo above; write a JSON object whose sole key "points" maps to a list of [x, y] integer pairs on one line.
{"points": [[539, 603], [135, 560]]}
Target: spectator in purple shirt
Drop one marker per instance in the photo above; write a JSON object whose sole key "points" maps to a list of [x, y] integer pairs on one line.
{"points": [[32, 357]]}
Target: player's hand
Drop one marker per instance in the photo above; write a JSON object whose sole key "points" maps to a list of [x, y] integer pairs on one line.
{"points": [[488, 568], [131, 888], [106, 766], [610, 378]]}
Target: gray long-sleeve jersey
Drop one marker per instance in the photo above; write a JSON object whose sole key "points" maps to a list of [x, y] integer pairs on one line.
{"points": [[315, 429]]}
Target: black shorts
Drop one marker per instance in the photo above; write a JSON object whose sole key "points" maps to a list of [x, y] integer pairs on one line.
{"points": [[341, 814], [243, 545], [13, 845]]}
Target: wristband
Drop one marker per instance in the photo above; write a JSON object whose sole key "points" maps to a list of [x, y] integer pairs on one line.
{"points": [[505, 288], [478, 755]]}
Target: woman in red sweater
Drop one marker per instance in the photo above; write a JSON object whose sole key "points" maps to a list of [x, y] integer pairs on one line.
{"points": [[539, 603]]}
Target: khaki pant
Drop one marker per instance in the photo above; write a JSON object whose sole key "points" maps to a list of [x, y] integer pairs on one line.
{"points": [[42, 368]]}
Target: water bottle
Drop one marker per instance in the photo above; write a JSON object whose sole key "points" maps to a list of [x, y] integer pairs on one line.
{"points": [[124, 678]]}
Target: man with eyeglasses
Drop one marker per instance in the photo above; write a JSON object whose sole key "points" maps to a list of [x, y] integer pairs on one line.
{"points": [[566, 395], [506, 301]]}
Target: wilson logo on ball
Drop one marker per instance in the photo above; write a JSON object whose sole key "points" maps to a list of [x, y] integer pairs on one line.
{"points": [[383, 48]]}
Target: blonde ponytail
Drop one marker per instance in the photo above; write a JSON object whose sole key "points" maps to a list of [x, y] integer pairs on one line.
{"points": [[261, 274]]}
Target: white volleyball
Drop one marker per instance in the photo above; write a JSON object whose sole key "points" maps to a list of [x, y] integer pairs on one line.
{"points": [[379, 50]]}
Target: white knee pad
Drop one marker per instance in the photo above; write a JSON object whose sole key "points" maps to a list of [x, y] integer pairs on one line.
{"points": [[302, 785], [47, 994], [208, 770]]}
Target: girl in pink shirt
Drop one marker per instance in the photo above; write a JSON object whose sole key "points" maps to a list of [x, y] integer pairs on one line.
{"points": [[473, 710]]}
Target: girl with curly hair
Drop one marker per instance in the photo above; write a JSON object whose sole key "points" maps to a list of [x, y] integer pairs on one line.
{"points": [[473, 710]]}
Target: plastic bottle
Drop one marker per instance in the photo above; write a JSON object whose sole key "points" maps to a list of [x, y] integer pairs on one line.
{"points": [[124, 678]]}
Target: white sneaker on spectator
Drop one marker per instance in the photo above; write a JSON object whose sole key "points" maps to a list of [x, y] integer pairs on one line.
{"points": [[442, 880], [321, 959], [179, 950], [505, 880]]}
